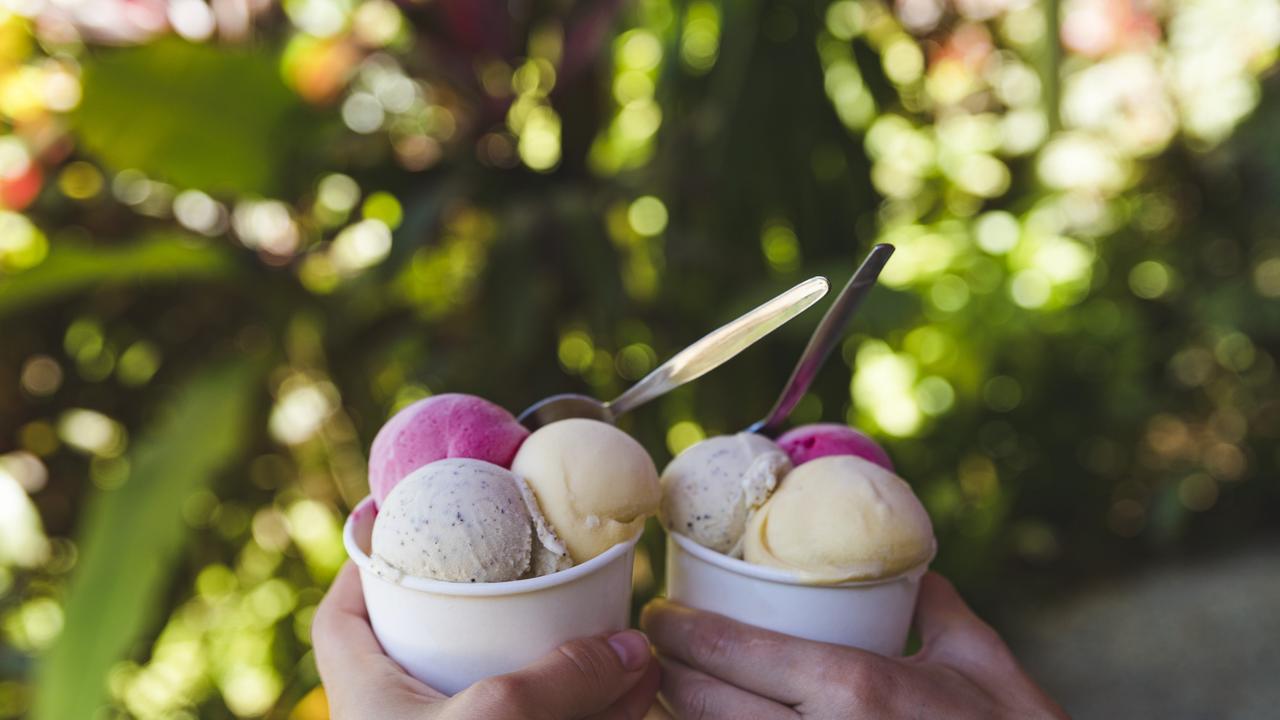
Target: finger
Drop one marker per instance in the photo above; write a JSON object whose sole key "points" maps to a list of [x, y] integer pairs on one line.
{"points": [[636, 703], [341, 623], [342, 638], [352, 664], [951, 634], [575, 680], [949, 630], [776, 666], [693, 694]]}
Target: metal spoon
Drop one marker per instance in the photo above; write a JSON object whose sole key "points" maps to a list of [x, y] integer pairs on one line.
{"points": [[824, 339], [689, 364]]}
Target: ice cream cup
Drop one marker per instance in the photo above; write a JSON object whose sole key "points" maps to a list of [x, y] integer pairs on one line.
{"points": [[873, 615], [449, 635]]}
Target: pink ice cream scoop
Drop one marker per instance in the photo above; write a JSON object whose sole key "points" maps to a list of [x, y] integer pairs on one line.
{"points": [[810, 442], [441, 426]]}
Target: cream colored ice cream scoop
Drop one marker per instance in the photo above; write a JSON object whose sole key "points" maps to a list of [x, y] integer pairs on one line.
{"points": [[840, 518], [595, 483], [710, 489], [464, 520]]}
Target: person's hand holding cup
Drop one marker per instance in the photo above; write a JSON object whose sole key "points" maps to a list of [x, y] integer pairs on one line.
{"points": [[714, 668], [604, 677]]}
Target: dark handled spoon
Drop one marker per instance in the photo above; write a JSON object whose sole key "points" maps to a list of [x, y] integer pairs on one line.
{"points": [[824, 339]]}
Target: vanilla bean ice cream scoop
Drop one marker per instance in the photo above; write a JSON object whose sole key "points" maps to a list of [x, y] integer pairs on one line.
{"points": [[464, 520], [712, 488]]}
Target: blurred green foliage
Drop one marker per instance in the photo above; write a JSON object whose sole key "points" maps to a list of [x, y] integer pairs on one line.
{"points": [[198, 116], [231, 246]]}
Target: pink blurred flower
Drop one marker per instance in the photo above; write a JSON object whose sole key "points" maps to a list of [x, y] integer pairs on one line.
{"points": [[1094, 28], [19, 191], [969, 44], [117, 22], [130, 22]]}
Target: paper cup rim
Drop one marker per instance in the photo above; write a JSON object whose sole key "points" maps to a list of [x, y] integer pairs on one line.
{"points": [[486, 589], [782, 577]]}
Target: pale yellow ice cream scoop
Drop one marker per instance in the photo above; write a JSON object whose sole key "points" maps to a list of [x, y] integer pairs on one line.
{"points": [[710, 489], [595, 484], [838, 519]]}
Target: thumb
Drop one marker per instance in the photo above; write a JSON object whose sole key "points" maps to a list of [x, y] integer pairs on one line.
{"points": [[951, 634], [577, 679], [950, 630]]}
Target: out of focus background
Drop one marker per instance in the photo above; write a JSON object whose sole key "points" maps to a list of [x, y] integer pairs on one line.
{"points": [[237, 235]]}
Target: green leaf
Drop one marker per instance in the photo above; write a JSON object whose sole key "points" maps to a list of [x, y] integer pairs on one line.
{"points": [[129, 537], [204, 116], [72, 267]]}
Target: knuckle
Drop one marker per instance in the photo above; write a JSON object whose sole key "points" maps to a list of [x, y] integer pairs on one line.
{"points": [[503, 691], [978, 643], [859, 684], [834, 676], [695, 699], [989, 640], [711, 643], [593, 661]]}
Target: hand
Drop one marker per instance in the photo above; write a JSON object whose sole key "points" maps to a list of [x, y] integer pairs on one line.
{"points": [[714, 667], [613, 678]]}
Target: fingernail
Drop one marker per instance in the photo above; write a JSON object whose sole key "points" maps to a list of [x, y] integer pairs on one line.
{"points": [[632, 649], [647, 613]]}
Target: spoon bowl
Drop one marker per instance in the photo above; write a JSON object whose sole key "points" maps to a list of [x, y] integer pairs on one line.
{"points": [[563, 407]]}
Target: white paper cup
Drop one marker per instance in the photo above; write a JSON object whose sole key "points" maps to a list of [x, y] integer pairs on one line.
{"points": [[873, 615], [449, 635]]}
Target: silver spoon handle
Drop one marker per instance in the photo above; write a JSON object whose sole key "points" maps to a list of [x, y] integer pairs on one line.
{"points": [[721, 345], [825, 338]]}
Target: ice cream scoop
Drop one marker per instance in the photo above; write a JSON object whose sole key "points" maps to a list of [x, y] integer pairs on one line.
{"points": [[710, 489], [810, 442], [595, 483], [442, 426], [463, 520], [840, 518]]}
